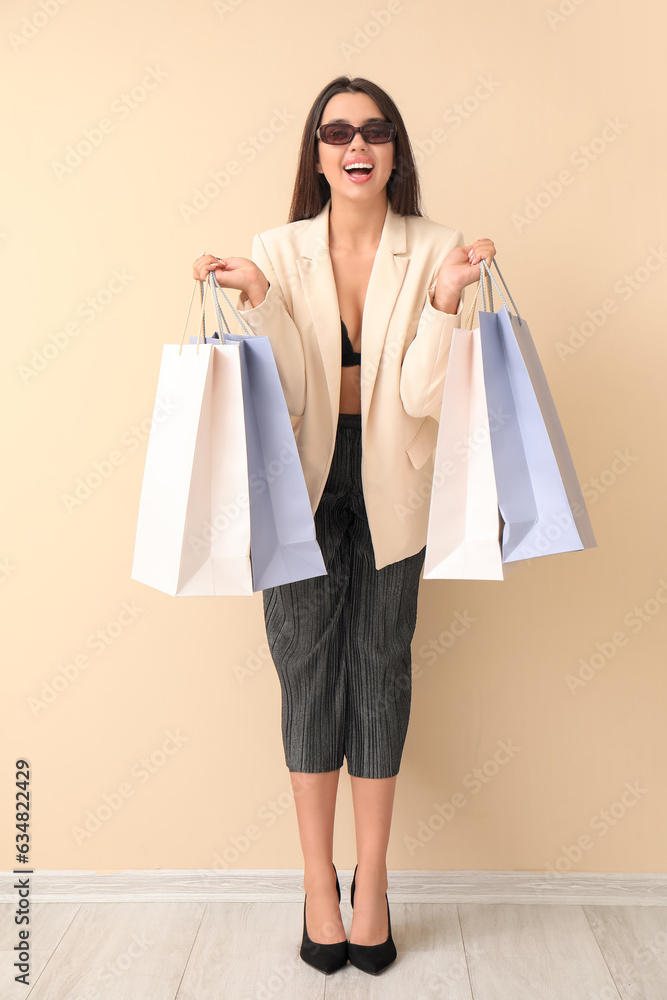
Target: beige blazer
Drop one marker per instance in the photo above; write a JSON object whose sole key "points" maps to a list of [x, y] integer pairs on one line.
{"points": [[404, 350]]}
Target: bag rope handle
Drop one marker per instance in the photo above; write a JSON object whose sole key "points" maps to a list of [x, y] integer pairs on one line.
{"points": [[485, 269], [215, 288], [201, 329], [468, 323], [485, 280]]}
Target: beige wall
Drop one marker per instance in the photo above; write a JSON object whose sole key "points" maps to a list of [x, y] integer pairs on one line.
{"points": [[536, 90]]}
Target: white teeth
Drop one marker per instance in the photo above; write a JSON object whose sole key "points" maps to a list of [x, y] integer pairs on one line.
{"points": [[358, 166]]}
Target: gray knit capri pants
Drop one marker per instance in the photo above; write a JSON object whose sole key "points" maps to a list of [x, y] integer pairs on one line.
{"points": [[341, 642]]}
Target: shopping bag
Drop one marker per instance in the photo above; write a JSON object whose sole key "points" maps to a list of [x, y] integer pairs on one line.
{"points": [[462, 540], [193, 526], [283, 544], [539, 495], [200, 503]]}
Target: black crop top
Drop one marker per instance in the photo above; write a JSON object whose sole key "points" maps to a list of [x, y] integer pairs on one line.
{"points": [[349, 356]]}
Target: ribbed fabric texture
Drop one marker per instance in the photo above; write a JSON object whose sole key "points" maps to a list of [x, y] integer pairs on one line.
{"points": [[341, 643]]}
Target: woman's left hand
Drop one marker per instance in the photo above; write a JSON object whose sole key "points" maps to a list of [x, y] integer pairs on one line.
{"points": [[461, 267]]}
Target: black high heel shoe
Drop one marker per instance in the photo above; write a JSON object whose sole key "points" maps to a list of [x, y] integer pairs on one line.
{"points": [[324, 957], [371, 958]]}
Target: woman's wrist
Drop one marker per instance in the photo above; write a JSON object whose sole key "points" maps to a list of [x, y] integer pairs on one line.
{"points": [[446, 299], [256, 293]]}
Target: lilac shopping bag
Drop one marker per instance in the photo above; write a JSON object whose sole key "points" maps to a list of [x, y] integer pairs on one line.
{"points": [[283, 545], [539, 495]]}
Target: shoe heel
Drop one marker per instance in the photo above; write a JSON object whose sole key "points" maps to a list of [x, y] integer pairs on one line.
{"points": [[372, 958], [337, 883], [325, 958], [354, 879]]}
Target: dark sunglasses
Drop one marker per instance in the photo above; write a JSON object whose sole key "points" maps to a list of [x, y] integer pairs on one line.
{"points": [[340, 133]]}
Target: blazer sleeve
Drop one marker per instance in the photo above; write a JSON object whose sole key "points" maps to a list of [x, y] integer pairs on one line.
{"points": [[425, 362], [272, 319]]}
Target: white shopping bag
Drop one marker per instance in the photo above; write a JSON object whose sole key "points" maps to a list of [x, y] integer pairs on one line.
{"points": [[193, 526], [463, 534]]}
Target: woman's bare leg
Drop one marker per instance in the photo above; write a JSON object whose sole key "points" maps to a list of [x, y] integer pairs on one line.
{"points": [[315, 801], [373, 800]]}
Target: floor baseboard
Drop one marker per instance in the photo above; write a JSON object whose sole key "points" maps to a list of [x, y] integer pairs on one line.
{"points": [[286, 885]]}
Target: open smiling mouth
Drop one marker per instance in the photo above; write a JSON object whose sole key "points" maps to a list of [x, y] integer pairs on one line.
{"points": [[359, 171]]}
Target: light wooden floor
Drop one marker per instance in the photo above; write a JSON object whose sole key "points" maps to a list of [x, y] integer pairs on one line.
{"points": [[249, 951]]}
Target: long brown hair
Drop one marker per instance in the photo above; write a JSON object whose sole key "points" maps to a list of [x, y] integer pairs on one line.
{"points": [[311, 188]]}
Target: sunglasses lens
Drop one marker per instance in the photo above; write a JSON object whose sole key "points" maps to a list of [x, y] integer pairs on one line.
{"points": [[378, 132], [336, 134]]}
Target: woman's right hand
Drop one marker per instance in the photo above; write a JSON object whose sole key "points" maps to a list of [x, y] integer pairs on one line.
{"points": [[233, 272]]}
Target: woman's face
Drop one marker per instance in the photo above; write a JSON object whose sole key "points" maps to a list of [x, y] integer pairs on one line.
{"points": [[356, 109]]}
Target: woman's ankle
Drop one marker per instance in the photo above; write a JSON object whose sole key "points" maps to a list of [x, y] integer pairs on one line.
{"points": [[319, 876], [371, 875]]}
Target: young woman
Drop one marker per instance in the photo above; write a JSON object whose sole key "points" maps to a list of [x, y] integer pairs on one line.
{"points": [[359, 294]]}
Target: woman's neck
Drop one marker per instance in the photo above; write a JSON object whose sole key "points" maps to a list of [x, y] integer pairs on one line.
{"points": [[356, 226]]}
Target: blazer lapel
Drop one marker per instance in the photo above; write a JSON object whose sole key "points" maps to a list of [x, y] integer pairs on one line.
{"points": [[319, 286], [389, 267]]}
